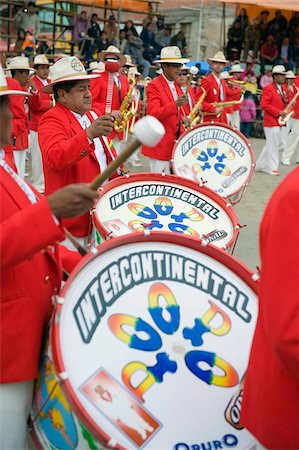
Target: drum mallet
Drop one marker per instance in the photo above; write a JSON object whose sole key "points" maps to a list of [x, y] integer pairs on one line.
{"points": [[148, 131], [192, 72]]}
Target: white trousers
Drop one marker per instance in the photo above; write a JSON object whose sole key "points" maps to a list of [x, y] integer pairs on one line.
{"points": [[156, 165], [235, 119], [292, 141], [269, 158], [15, 403], [20, 161], [38, 180]]}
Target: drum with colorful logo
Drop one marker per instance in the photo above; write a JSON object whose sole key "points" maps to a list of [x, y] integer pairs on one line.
{"points": [[148, 348], [165, 203], [217, 154]]}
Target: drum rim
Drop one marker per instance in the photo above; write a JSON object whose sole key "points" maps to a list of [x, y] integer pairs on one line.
{"points": [[235, 130], [172, 179], [220, 255]]}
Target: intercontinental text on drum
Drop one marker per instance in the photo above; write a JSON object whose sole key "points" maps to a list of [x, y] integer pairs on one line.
{"points": [[137, 268]]}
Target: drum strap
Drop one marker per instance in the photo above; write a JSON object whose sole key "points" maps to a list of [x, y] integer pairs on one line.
{"points": [[20, 182], [110, 86]]}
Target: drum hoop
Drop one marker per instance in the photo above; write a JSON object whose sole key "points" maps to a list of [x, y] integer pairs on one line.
{"points": [[221, 256], [235, 130], [171, 179]]}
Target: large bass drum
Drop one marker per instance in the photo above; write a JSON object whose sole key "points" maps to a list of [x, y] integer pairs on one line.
{"points": [[219, 155], [148, 348]]}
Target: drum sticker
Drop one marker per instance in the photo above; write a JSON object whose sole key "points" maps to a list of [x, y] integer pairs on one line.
{"points": [[215, 235], [120, 407], [186, 172], [235, 175], [117, 227]]}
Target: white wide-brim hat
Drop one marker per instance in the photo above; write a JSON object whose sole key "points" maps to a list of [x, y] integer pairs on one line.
{"points": [[290, 74], [171, 55], [219, 57], [96, 67], [41, 60], [225, 75], [129, 62], [19, 63], [236, 68], [133, 71], [114, 52], [279, 70], [4, 88], [68, 68]]}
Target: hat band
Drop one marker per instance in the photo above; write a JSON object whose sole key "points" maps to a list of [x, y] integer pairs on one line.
{"points": [[69, 76], [161, 59], [3, 88]]}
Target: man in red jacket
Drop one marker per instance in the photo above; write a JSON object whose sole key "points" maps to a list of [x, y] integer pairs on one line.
{"points": [[70, 136], [215, 89], [270, 404], [36, 110], [31, 273], [165, 100], [292, 138], [273, 101]]}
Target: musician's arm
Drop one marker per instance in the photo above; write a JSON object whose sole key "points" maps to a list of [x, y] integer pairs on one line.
{"points": [[155, 108], [267, 103]]}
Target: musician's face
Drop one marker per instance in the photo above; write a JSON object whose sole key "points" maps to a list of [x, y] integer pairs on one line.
{"points": [[78, 99], [172, 71], [42, 71], [22, 75], [279, 78], [6, 121], [217, 67]]}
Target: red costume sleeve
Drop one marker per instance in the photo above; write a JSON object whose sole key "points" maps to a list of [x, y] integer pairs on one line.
{"points": [[267, 102]]}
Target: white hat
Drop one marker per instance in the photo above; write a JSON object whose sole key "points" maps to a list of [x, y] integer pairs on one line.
{"points": [[3, 86], [112, 51], [19, 63], [69, 68], [184, 67], [133, 71], [171, 55], [236, 68], [225, 75], [290, 74], [279, 70], [218, 57], [129, 61], [41, 60], [96, 67]]}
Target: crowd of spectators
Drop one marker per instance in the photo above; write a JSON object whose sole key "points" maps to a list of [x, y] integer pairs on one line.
{"points": [[271, 42]]}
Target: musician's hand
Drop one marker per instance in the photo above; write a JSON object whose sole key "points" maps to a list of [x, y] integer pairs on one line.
{"points": [[186, 121], [102, 126], [117, 115], [218, 111], [72, 200], [283, 114], [32, 85], [181, 100]]}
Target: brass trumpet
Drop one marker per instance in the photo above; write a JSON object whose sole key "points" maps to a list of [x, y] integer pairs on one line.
{"points": [[193, 115], [246, 86], [288, 110]]}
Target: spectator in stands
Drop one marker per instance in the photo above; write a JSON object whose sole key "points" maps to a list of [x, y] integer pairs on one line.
{"points": [[112, 31], [248, 72], [122, 41], [20, 41], [268, 53], [294, 21], [252, 38], [129, 26], [235, 40], [266, 78], [159, 25], [280, 20], [80, 27], [149, 43], [103, 43], [263, 19], [287, 54], [28, 19], [179, 41], [163, 38], [247, 115], [94, 32], [29, 43], [244, 19], [276, 33], [134, 48]]}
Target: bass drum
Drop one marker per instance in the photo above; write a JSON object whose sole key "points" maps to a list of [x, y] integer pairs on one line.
{"points": [[149, 344], [217, 154]]}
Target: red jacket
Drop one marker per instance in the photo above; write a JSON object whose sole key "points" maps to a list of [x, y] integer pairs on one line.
{"points": [[68, 157], [270, 405], [210, 84], [232, 94], [20, 122], [38, 108], [160, 104], [98, 87], [272, 104], [291, 92], [30, 274]]}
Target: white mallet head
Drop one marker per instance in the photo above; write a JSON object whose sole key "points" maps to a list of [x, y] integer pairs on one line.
{"points": [[193, 70], [149, 131]]}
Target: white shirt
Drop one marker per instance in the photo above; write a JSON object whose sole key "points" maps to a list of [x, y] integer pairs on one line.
{"points": [[171, 87], [44, 82], [220, 87]]}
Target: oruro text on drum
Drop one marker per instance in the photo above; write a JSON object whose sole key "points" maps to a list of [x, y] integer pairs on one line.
{"points": [[136, 268]]}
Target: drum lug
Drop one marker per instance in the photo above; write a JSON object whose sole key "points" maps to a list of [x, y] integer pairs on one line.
{"points": [[255, 276], [63, 376], [57, 300], [204, 242]]}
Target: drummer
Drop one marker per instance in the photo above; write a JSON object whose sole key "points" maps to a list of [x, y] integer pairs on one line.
{"points": [[31, 272], [165, 101], [70, 136]]}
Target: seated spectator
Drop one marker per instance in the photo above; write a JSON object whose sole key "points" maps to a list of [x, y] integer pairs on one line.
{"points": [[129, 26], [294, 21], [122, 41], [134, 48], [287, 54], [276, 34], [244, 19], [26, 18], [103, 43], [163, 38], [280, 20], [252, 38], [159, 25], [111, 30], [80, 27], [179, 41], [149, 44], [29, 43], [263, 20], [20, 41], [248, 72], [247, 114], [268, 53], [235, 40], [266, 78], [94, 32]]}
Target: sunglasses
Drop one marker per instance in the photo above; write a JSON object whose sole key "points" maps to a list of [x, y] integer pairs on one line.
{"points": [[182, 74]]}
